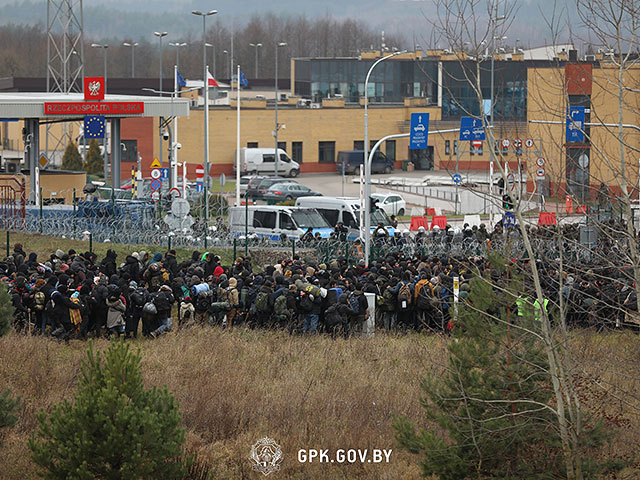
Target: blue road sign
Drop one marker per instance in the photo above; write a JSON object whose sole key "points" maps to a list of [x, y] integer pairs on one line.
{"points": [[471, 129], [508, 219], [419, 133], [457, 178], [199, 187], [156, 184], [575, 124], [164, 174]]}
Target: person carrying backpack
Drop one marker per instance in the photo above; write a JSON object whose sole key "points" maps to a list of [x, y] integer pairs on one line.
{"points": [[115, 316], [163, 300], [388, 307], [264, 304], [358, 305], [203, 298], [232, 296], [137, 300], [404, 293]]}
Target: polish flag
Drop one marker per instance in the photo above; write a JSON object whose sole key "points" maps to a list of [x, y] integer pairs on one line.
{"points": [[211, 81]]}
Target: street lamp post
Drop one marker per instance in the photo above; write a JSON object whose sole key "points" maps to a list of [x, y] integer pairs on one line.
{"points": [[275, 133], [256, 46], [160, 35], [213, 58], [104, 55], [178, 45], [367, 167], [133, 57], [205, 86], [226, 52]]}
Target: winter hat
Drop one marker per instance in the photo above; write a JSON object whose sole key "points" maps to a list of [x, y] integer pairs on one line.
{"points": [[136, 255], [59, 253], [133, 284]]}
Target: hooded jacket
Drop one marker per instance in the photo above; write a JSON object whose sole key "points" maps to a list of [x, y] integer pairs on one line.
{"points": [[115, 317]]}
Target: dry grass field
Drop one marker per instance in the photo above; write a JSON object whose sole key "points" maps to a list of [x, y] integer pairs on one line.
{"points": [[235, 387]]}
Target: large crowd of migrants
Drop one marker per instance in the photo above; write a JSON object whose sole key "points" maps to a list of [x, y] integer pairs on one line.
{"points": [[77, 295]]}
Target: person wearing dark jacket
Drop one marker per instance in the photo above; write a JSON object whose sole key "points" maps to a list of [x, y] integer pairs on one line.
{"points": [[170, 263], [163, 301], [60, 313], [132, 267], [108, 264]]}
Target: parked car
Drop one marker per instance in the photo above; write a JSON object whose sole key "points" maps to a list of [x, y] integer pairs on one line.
{"points": [[252, 186], [265, 183], [244, 184], [289, 191], [262, 160], [391, 204], [352, 160]]}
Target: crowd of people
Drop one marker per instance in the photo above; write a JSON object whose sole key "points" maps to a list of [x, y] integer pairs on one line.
{"points": [[77, 295]]}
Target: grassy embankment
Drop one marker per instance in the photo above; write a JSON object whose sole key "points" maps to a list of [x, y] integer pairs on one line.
{"points": [[235, 387]]}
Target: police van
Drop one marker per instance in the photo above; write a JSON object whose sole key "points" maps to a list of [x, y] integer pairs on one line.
{"points": [[345, 210], [273, 222]]}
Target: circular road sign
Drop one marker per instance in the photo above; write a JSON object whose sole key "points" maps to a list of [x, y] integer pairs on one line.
{"points": [[155, 196], [175, 192], [156, 184], [517, 143], [540, 161], [583, 161], [200, 171], [528, 142], [457, 178], [505, 142], [540, 172], [156, 173], [180, 208]]}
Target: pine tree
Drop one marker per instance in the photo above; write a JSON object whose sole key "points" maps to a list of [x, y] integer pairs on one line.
{"points": [[114, 428], [6, 310], [95, 163], [72, 160], [8, 410], [492, 406]]}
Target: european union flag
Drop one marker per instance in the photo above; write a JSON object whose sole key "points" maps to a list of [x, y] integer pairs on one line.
{"points": [[94, 126], [180, 81], [243, 79]]}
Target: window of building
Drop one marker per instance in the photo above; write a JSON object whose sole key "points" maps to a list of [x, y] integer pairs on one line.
{"points": [[447, 147], [252, 144], [282, 146], [326, 152], [472, 149], [263, 219], [455, 147], [390, 150], [296, 151], [372, 144], [358, 144]]}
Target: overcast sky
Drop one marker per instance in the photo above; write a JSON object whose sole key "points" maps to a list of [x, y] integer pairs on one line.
{"points": [[103, 18]]}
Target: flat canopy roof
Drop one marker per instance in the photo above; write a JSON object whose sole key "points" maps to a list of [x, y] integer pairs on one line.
{"points": [[72, 105]]}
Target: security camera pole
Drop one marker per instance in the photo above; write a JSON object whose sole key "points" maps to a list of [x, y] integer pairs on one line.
{"points": [[275, 132]]}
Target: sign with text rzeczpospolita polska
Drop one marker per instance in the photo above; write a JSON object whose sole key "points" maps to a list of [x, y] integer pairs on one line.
{"points": [[93, 108]]}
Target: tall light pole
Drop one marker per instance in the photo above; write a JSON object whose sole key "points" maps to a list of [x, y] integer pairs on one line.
{"points": [[205, 86], [104, 55], [213, 58], [275, 132], [367, 167], [160, 35], [226, 52], [178, 45], [133, 57], [256, 46]]}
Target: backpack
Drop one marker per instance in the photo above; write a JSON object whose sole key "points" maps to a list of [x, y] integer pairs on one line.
{"points": [[280, 306], [150, 308], [404, 296], [306, 302], [164, 273], [332, 316], [138, 297], [39, 300], [156, 280], [354, 303], [162, 301], [424, 299], [388, 300], [262, 302], [203, 301]]}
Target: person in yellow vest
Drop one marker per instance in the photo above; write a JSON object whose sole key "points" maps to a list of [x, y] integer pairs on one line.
{"points": [[538, 309]]}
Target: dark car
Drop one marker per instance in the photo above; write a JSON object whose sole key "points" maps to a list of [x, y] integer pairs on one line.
{"points": [[265, 183], [252, 186], [289, 191], [352, 160]]}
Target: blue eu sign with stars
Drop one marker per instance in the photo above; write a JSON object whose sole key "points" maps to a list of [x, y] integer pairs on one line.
{"points": [[94, 126]]}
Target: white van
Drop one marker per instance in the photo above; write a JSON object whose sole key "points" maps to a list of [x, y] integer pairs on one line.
{"points": [[345, 210], [274, 221], [262, 160]]}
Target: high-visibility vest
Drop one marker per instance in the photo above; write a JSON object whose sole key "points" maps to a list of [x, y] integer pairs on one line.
{"points": [[538, 310]]}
